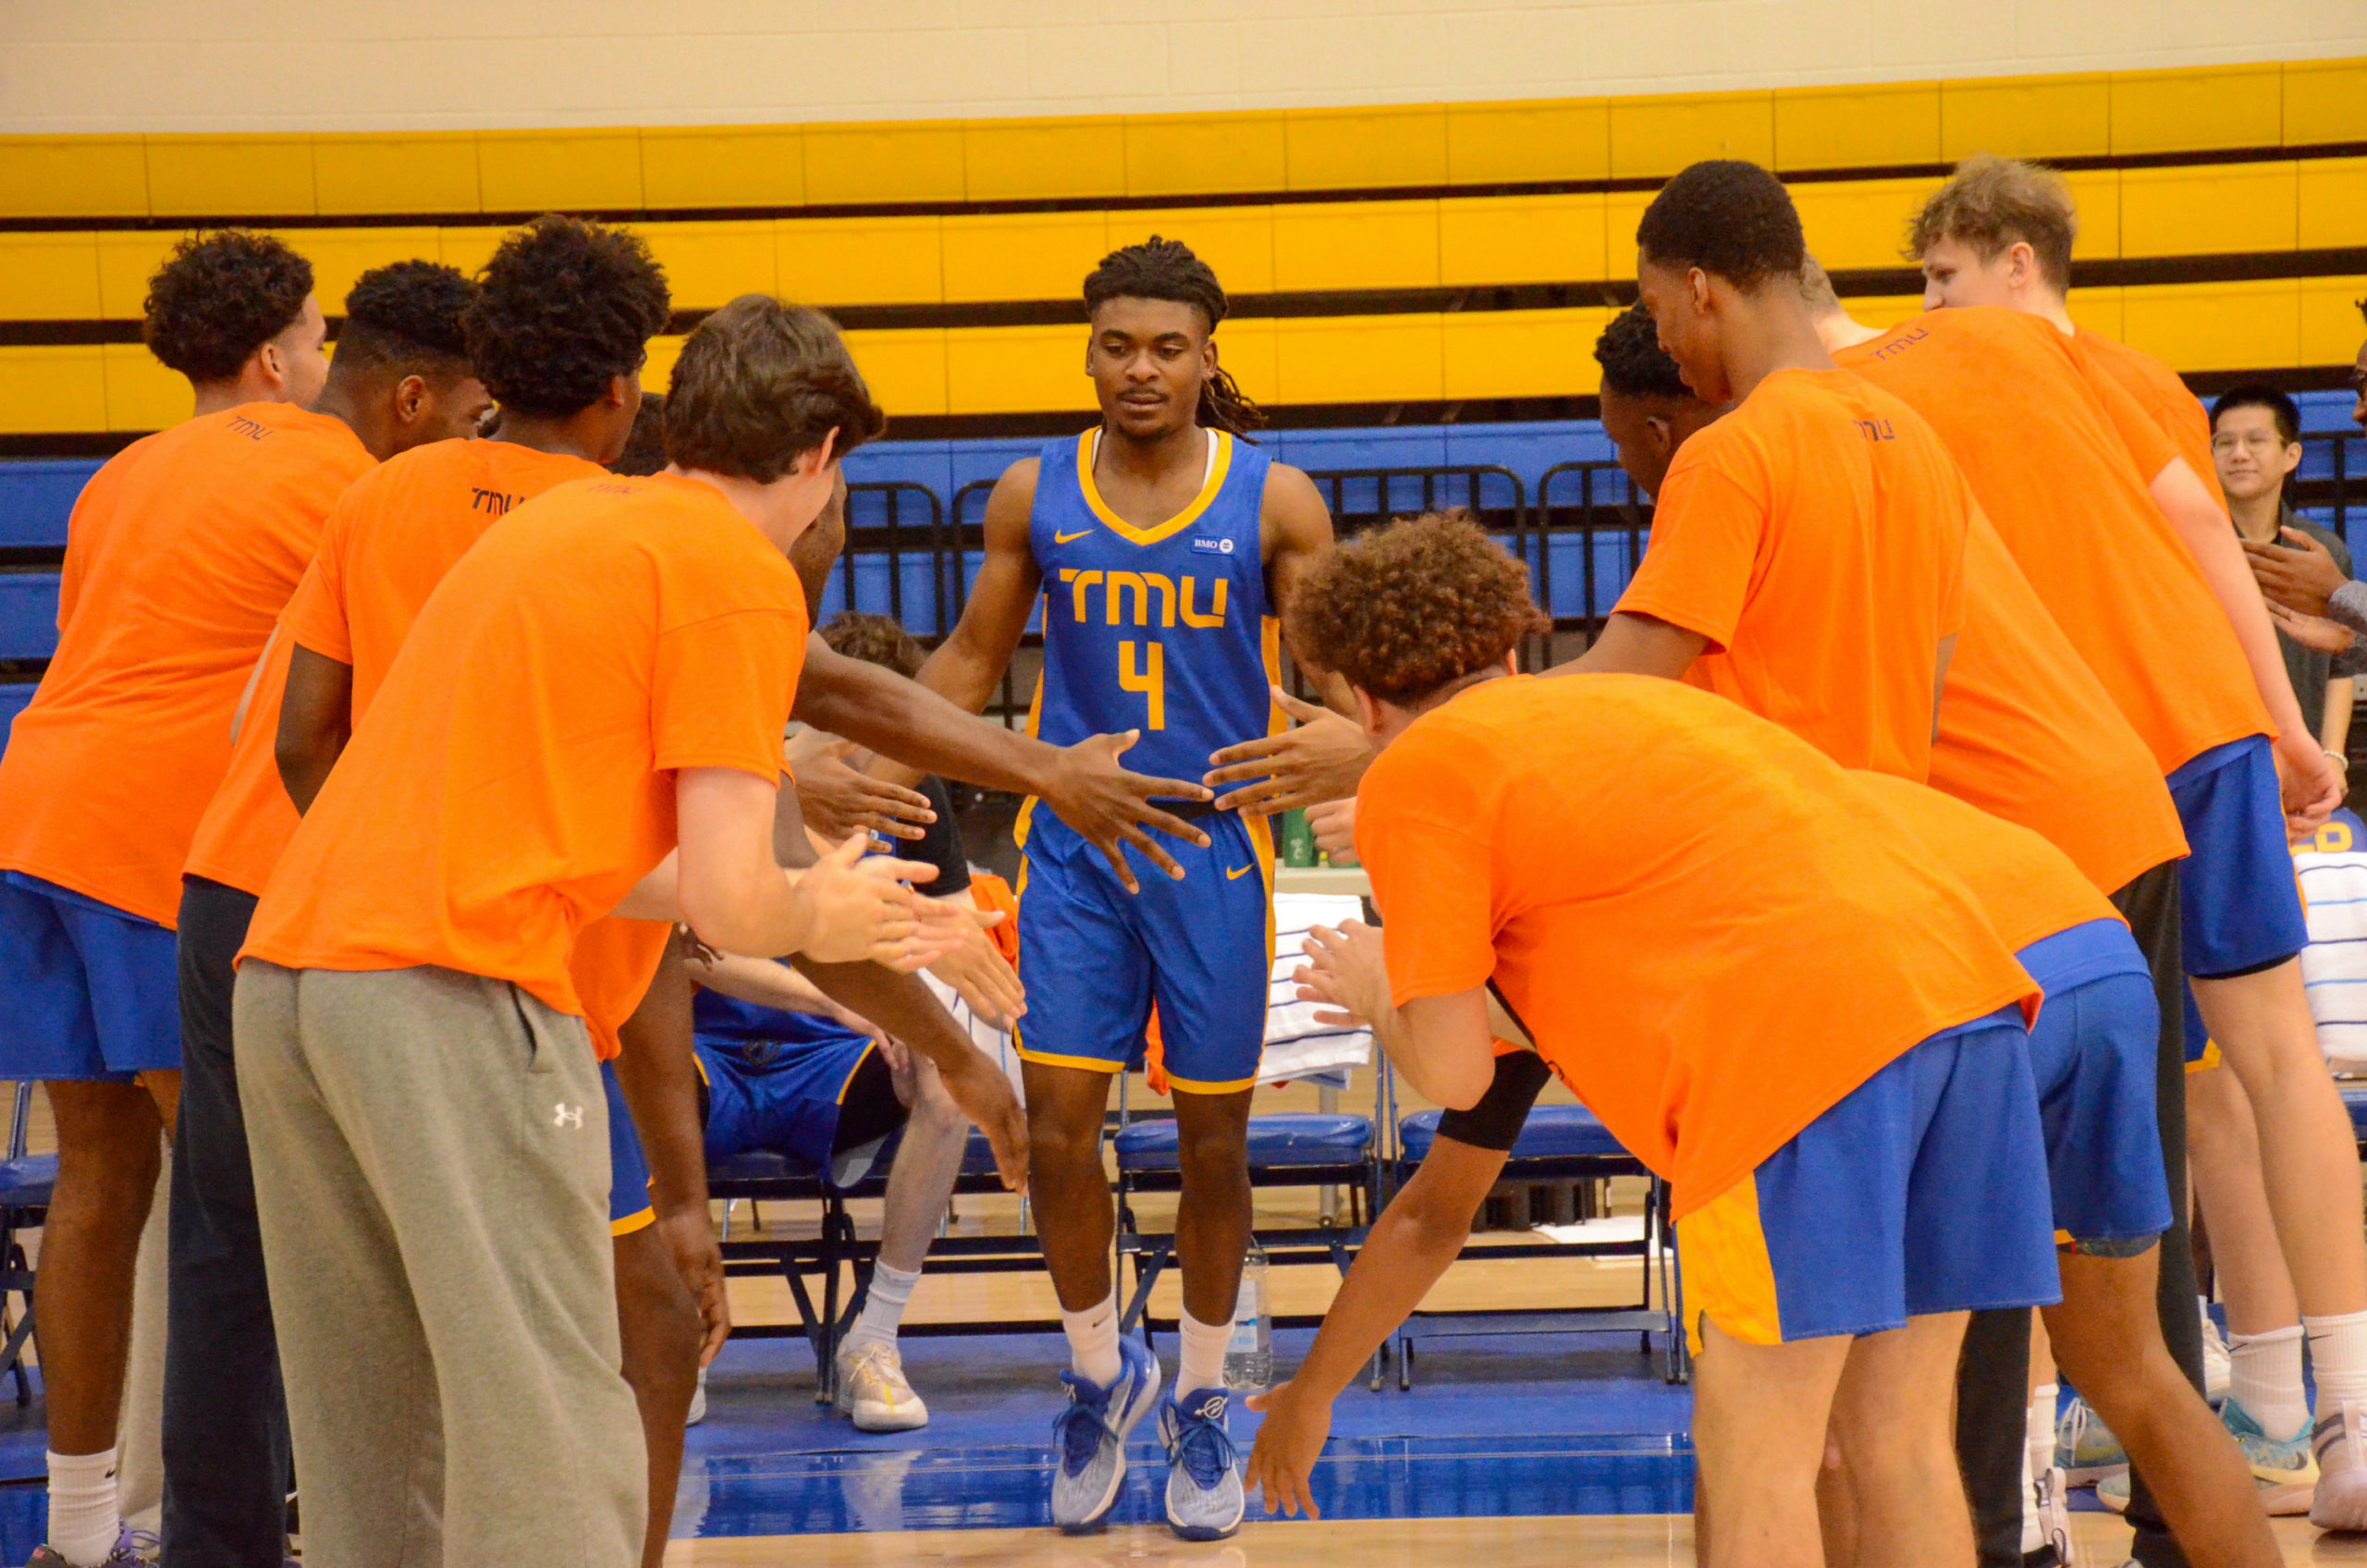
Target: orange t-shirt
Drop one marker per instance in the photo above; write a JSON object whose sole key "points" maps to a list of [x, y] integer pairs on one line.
{"points": [[385, 546], [615, 959], [513, 778], [2048, 449], [2165, 397], [2028, 733], [2028, 888], [180, 556], [1815, 536], [1680, 903]]}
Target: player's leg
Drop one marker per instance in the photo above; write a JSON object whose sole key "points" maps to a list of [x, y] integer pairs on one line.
{"points": [[657, 1320], [1890, 1419], [872, 1387], [1760, 1417]]}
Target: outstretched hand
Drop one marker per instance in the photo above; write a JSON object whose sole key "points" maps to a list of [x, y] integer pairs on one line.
{"points": [[2298, 572], [861, 907], [981, 1092], [1322, 758], [1110, 807], [838, 799], [1282, 1462], [2312, 630], [1347, 970]]}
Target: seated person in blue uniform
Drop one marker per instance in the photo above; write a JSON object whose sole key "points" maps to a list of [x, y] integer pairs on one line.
{"points": [[1162, 546]]}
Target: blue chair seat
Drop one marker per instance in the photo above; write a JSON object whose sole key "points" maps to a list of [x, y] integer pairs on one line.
{"points": [[1553, 1131], [977, 1156], [1275, 1141], [26, 1181], [760, 1165], [2354, 1099]]}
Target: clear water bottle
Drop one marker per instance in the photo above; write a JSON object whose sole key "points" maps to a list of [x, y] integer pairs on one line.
{"points": [[1249, 1354]]}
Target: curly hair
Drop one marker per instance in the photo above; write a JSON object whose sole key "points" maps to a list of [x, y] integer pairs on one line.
{"points": [[218, 298], [1166, 269], [1408, 608], [875, 639], [1990, 203], [645, 447], [1728, 217], [406, 317], [760, 384], [1634, 363], [562, 308]]}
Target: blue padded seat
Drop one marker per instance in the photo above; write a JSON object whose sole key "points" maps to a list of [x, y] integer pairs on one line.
{"points": [[1553, 1131], [978, 1156], [26, 1181], [2354, 1099], [1275, 1141]]}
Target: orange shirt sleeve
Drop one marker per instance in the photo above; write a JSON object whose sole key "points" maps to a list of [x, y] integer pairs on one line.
{"points": [[720, 688], [1433, 872], [1707, 529]]}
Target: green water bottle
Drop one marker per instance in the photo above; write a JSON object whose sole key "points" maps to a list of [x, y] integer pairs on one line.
{"points": [[1298, 838]]}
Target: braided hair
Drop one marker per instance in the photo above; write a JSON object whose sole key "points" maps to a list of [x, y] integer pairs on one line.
{"points": [[1166, 269]]}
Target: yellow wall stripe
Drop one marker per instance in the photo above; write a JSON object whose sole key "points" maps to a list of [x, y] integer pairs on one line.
{"points": [[1885, 125]]}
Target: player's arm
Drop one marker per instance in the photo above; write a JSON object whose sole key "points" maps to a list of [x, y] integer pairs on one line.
{"points": [[1324, 755], [658, 1072], [315, 721], [1637, 644], [1442, 1044], [762, 982], [2333, 734], [2313, 785], [1418, 1237]]}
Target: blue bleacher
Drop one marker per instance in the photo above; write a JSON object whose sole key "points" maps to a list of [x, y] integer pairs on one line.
{"points": [[36, 497], [28, 614]]}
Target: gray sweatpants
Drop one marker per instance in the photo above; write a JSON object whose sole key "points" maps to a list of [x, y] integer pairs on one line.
{"points": [[431, 1157]]}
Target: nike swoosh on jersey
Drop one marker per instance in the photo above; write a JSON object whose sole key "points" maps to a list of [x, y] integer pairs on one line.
{"points": [[1236, 872], [1068, 538]]}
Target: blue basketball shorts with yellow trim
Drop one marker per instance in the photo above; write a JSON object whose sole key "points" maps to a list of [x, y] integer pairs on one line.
{"points": [[629, 1206], [2239, 908], [1093, 957], [2092, 1057], [94, 991], [785, 1097], [1924, 1190]]}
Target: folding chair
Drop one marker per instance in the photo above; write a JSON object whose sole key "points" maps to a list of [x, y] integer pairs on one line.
{"points": [[26, 1183]]}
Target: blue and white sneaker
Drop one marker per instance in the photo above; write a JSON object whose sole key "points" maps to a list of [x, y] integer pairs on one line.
{"points": [[1204, 1500], [1089, 1438]]}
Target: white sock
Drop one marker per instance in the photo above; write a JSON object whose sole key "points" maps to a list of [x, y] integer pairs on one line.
{"points": [[2265, 1377], [2033, 1536], [1203, 1363], [2215, 1355], [1093, 1340], [2038, 1430], [2338, 1356], [83, 1519], [883, 1306]]}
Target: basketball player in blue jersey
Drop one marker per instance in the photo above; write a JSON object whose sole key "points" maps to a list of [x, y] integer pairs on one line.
{"points": [[1163, 547]]}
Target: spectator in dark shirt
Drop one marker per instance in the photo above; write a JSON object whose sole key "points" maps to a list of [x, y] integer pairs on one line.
{"points": [[2256, 444]]}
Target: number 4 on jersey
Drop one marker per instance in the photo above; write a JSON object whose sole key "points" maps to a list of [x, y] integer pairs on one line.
{"points": [[1150, 679]]}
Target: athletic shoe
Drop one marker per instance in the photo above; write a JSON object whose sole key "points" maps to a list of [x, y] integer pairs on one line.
{"points": [[2085, 1449], [1204, 1500], [125, 1554], [2052, 1512], [2285, 1472], [2341, 1450], [1089, 1438], [2216, 1368], [873, 1391], [697, 1413]]}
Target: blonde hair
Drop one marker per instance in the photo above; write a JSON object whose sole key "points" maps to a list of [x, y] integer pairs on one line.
{"points": [[1990, 202]]}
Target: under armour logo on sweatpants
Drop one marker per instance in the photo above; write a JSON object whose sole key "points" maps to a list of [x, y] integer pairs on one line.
{"points": [[564, 1115]]}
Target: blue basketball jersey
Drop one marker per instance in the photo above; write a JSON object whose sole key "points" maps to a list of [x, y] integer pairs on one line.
{"points": [[1164, 630]]}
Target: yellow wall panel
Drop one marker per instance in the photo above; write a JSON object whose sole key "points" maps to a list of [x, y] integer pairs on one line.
{"points": [[73, 177], [2334, 202], [1833, 127], [1019, 159], [1237, 242], [861, 261], [1658, 136], [45, 389], [2215, 207], [1622, 210], [904, 369], [217, 176], [1549, 139], [1859, 223], [1360, 359], [127, 260], [1520, 240], [340, 255], [999, 370], [2202, 326], [1521, 353], [142, 394], [2026, 116], [1204, 154], [469, 249], [2098, 310], [2331, 326], [2214, 106], [1356, 245], [1356, 149], [657, 370], [1885, 311], [725, 166], [2095, 196], [425, 172], [1022, 255], [711, 264], [915, 161], [540, 171], [2324, 101], [49, 277], [1246, 351]]}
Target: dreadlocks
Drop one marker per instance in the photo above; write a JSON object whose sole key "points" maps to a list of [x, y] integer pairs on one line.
{"points": [[1166, 269]]}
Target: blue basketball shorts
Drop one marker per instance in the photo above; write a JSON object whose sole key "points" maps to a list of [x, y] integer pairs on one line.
{"points": [[2239, 908], [629, 1206], [1093, 957], [93, 992], [786, 1096], [2092, 1056], [1923, 1190]]}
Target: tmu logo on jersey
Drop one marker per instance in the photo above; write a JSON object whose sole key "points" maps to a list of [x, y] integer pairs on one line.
{"points": [[1131, 598]]}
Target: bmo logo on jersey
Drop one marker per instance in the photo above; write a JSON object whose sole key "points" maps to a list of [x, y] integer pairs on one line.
{"points": [[1213, 547]]}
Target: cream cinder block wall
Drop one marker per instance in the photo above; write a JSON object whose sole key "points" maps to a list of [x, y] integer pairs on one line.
{"points": [[135, 66]]}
